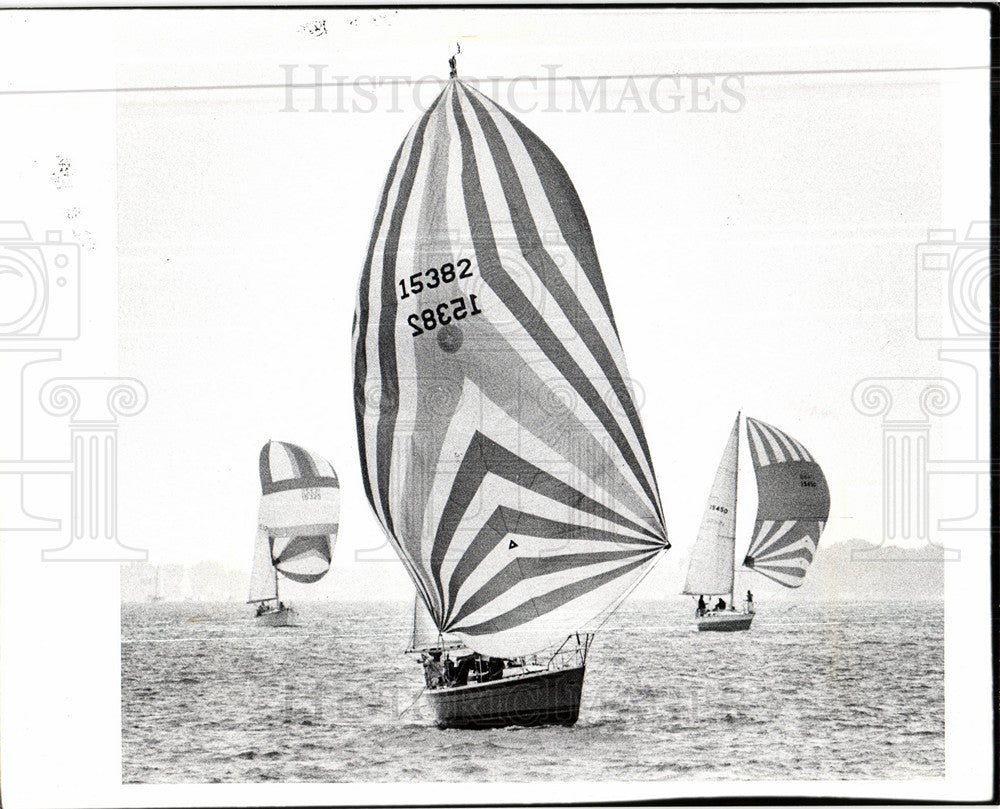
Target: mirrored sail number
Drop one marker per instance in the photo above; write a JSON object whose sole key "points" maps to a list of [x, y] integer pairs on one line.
{"points": [[443, 314], [434, 277]]}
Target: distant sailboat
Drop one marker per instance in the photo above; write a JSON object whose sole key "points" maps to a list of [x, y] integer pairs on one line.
{"points": [[500, 442], [793, 505], [157, 595], [297, 526]]}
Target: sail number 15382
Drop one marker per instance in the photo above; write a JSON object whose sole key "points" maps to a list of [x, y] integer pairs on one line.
{"points": [[442, 314], [434, 277]]}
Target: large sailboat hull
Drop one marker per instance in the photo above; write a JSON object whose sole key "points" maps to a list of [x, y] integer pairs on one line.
{"points": [[540, 698], [724, 621], [282, 617]]}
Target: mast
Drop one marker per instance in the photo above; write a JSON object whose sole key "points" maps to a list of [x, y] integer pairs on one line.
{"points": [[736, 500]]}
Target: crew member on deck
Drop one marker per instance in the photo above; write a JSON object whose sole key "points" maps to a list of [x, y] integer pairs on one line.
{"points": [[720, 605], [433, 673], [749, 601], [701, 607]]}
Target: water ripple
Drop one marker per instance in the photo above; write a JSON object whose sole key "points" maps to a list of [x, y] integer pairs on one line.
{"points": [[835, 691]]}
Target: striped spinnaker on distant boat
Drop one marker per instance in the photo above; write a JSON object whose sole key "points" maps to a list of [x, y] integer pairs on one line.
{"points": [[299, 511], [793, 505], [500, 441]]}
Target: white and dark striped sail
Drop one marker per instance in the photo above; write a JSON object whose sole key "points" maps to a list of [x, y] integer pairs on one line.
{"points": [[500, 442], [793, 505], [710, 571], [298, 517]]}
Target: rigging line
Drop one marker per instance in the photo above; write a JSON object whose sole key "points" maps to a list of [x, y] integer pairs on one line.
{"points": [[397, 81], [621, 600], [420, 693]]}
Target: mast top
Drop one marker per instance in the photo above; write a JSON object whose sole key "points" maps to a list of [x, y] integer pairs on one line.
{"points": [[453, 62]]}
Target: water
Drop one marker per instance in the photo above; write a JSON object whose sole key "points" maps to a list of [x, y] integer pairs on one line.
{"points": [[813, 691]]}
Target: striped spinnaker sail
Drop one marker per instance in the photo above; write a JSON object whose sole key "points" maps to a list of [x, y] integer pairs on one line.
{"points": [[298, 517], [793, 504], [500, 441]]}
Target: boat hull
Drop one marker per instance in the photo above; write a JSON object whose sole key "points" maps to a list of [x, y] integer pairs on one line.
{"points": [[724, 621], [542, 698], [282, 617]]}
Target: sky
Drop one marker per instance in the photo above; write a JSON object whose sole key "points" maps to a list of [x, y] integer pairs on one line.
{"points": [[757, 233]]}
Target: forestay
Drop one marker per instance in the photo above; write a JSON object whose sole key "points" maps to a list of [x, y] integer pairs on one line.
{"points": [[500, 442], [710, 571], [298, 516], [425, 634], [793, 505]]}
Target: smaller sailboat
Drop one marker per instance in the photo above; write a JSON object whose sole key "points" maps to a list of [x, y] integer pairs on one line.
{"points": [[793, 505], [157, 595], [297, 526]]}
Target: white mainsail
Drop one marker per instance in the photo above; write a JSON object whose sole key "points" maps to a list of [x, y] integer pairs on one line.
{"points": [[793, 505], [298, 518], [501, 446], [710, 571], [262, 583]]}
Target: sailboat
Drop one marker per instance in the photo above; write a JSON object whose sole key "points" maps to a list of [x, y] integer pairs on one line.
{"points": [[500, 443], [792, 508], [469, 690], [157, 595], [297, 526]]}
